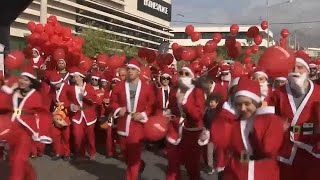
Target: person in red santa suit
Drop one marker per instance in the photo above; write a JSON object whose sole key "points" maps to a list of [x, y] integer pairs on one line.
{"points": [[260, 75], [60, 92], [62, 69], [32, 123], [37, 60], [256, 136], [221, 129], [187, 104], [164, 91], [211, 87], [83, 108], [297, 103], [132, 110], [225, 78]]}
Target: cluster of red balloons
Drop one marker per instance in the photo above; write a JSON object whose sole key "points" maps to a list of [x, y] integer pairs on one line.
{"points": [[48, 37], [155, 58], [113, 62], [195, 36]]}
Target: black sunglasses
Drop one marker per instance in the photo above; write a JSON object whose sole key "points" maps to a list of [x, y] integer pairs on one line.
{"points": [[165, 78], [94, 79], [181, 73]]}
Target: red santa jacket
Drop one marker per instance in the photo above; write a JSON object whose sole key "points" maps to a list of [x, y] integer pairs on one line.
{"points": [[31, 114], [221, 129], [161, 105], [87, 103], [45, 91], [62, 96], [38, 62], [144, 103], [302, 133], [254, 146], [221, 90]]}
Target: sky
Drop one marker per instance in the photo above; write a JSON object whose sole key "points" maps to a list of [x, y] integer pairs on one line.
{"points": [[204, 12]]}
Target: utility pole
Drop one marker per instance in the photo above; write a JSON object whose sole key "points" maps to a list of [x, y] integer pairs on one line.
{"points": [[43, 11]]}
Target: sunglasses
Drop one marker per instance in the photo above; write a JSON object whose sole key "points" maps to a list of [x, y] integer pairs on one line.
{"points": [[94, 79], [181, 73], [165, 78], [114, 81]]}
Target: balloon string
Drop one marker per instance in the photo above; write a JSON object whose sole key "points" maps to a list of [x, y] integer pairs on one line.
{"points": [[206, 72]]}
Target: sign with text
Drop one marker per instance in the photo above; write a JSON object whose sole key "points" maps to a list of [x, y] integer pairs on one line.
{"points": [[157, 8]]}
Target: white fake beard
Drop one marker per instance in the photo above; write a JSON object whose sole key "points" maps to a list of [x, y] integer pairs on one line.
{"points": [[226, 77], [264, 89], [296, 82], [186, 82]]}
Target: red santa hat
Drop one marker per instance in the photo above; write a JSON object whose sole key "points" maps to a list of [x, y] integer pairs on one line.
{"points": [[280, 78], [72, 70], [248, 88], [80, 72], [312, 64], [133, 63], [234, 82], [304, 62], [55, 78], [36, 49], [103, 78], [166, 72], [260, 71], [95, 75], [225, 68], [29, 72], [190, 69]]}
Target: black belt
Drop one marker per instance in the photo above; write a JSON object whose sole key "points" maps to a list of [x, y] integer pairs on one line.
{"points": [[301, 130]]}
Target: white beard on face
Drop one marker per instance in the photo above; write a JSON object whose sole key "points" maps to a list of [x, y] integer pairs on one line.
{"points": [[226, 77], [296, 82], [186, 82], [264, 89]]}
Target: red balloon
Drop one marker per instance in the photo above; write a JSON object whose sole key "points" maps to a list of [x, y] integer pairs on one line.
{"points": [[52, 20], [285, 33], [102, 60], [196, 36], [230, 41], [247, 59], [237, 70], [264, 25], [143, 53], [155, 128], [199, 50], [175, 46], [31, 26], [177, 53], [189, 30], [188, 54], [85, 63], [248, 52], [233, 52], [208, 59], [59, 53], [277, 61], [258, 39], [253, 31], [234, 29], [39, 28], [254, 49], [115, 62], [44, 37], [210, 47], [168, 59], [217, 37], [145, 73], [14, 60]]}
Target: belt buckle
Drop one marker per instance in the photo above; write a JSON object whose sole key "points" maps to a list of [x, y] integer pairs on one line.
{"points": [[244, 157], [296, 129], [17, 112]]}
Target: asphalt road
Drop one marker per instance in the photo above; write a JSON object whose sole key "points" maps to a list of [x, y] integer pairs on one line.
{"points": [[100, 169]]}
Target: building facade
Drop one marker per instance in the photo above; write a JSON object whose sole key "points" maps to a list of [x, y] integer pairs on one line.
{"points": [[140, 23], [181, 38]]}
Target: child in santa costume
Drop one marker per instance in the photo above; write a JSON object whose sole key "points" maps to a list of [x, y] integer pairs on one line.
{"points": [[256, 136], [132, 102], [298, 104], [37, 59], [84, 116], [60, 104], [30, 120], [187, 104]]}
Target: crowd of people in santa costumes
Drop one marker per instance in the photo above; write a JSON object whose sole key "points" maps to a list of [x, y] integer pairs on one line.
{"points": [[240, 121]]}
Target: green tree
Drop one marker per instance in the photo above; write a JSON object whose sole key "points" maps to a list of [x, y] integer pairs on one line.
{"points": [[98, 41]]}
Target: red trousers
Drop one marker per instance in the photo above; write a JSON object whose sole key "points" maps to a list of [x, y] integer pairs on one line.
{"points": [[20, 149], [84, 138], [37, 148], [187, 153], [110, 141], [131, 148], [61, 141], [305, 166]]}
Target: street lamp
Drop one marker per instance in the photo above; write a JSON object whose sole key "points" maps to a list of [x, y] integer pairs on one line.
{"points": [[268, 18]]}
